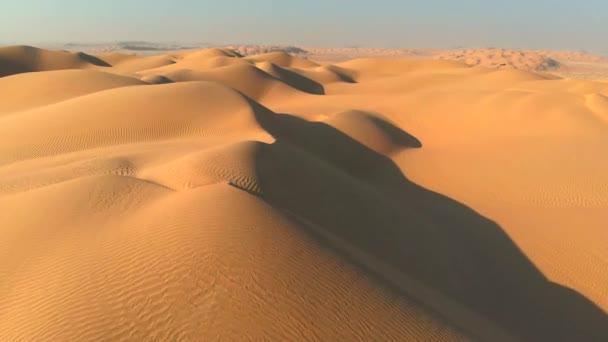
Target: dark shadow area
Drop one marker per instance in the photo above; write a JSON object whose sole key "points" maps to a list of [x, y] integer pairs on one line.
{"points": [[342, 73], [322, 175], [17, 59], [8, 68], [92, 59], [299, 82], [157, 79], [398, 136]]}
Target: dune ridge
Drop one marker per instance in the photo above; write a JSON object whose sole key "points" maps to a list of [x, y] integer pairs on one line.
{"points": [[218, 195]]}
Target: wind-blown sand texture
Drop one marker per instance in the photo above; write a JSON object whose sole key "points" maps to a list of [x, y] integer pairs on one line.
{"points": [[206, 195]]}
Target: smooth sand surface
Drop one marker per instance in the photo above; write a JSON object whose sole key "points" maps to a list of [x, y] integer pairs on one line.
{"points": [[205, 195]]}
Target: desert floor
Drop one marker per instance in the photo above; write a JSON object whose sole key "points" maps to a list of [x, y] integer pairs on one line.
{"points": [[207, 195]]}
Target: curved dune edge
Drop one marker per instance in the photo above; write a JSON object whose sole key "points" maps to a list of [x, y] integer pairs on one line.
{"points": [[404, 199]]}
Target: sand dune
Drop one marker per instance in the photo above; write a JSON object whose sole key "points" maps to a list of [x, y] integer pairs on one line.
{"points": [[18, 59], [204, 195], [207, 53], [130, 64], [30, 90], [571, 64], [502, 58], [283, 59]]}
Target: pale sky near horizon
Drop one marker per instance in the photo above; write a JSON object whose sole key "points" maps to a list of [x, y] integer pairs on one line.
{"points": [[538, 24]]}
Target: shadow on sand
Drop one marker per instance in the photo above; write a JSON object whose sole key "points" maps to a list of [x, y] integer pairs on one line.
{"points": [[299, 82], [318, 173]]}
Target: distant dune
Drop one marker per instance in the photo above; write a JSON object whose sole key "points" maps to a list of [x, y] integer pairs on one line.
{"points": [[569, 64], [256, 193], [574, 64], [502, 58]]}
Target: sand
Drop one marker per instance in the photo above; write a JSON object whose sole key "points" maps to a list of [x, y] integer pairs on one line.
{"points": [[569, 64], [208, 195]]}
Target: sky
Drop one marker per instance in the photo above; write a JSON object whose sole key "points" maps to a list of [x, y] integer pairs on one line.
{"points": [[537, 24]]}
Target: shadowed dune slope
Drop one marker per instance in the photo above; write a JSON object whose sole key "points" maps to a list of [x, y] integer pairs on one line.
{"points": [[294, 79], [248, 79], [18, 59], [312, 166], [203, 195], [327, 74]]}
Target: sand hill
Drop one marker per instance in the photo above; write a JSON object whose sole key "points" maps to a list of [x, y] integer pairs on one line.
{"points": [[571, 64], [568, 64], [208, 195], [502, 58]]}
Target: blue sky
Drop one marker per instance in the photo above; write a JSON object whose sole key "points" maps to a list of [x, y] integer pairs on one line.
{"points": [[557, 24]]}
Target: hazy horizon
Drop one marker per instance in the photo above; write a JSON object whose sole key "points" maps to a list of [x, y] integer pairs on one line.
{"points": [[557, 25]]}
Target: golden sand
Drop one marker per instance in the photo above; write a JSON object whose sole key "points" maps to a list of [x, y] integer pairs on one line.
{"points": [[204, 195]]}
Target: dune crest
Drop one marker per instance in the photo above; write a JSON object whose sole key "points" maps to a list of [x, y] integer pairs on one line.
{"points": [[217, 194]]}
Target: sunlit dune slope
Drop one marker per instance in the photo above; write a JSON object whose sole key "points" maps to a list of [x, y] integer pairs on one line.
{"points": [[29, 90]]}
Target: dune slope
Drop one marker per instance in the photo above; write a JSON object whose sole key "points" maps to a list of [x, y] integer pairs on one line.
{"points": [[18, 59]]}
